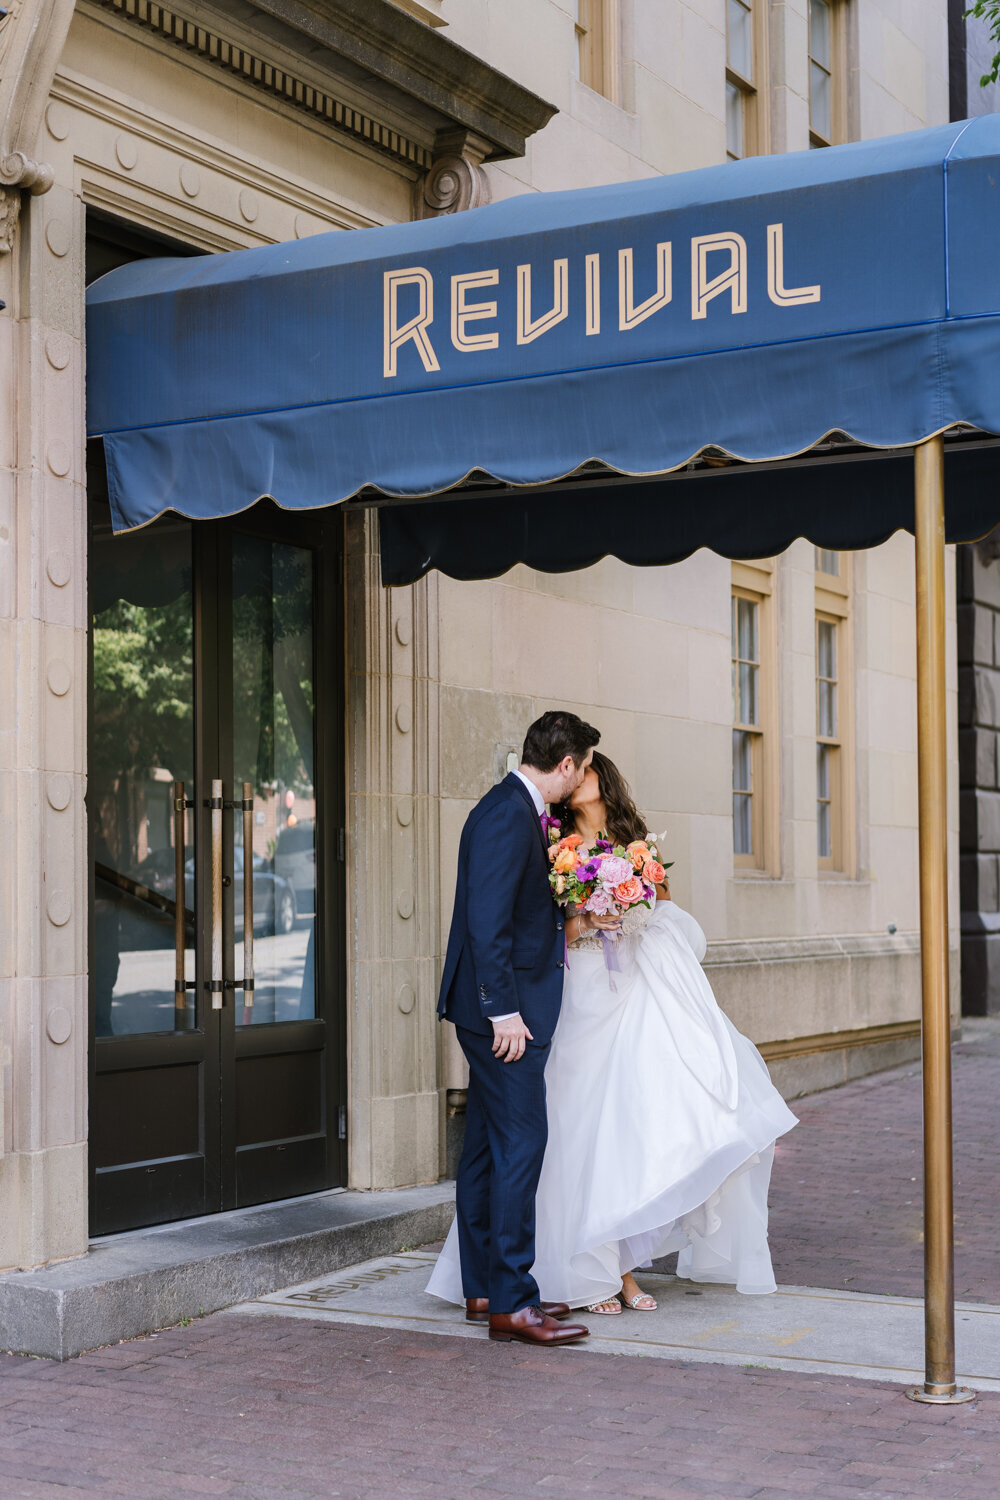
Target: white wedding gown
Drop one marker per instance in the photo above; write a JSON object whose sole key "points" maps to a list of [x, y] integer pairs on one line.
{"points": [[662, 1123]]}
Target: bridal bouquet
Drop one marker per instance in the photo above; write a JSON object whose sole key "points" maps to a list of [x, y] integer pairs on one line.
{"points": [[607, 879]]}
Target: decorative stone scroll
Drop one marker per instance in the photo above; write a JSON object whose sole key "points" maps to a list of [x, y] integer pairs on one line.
{"points": [[456, 180], [31, 43]]}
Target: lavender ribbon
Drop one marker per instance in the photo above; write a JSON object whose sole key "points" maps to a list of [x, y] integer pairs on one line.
{"points": [[610, 946]]}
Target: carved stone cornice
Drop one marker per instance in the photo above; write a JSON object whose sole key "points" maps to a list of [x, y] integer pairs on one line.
{"points": [[456, 180], [416, 67], [31, 42]]}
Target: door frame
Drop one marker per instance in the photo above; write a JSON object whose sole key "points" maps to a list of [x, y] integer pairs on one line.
{"points": [[216, 1044]]}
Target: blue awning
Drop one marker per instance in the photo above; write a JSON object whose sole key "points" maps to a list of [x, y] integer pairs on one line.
{"points": [[752, 308]]}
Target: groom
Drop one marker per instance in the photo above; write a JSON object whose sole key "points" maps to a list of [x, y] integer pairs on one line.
{"points": [[502, 988]]}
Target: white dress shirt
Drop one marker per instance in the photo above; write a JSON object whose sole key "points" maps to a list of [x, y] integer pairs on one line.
{"points": [[539, 802]]}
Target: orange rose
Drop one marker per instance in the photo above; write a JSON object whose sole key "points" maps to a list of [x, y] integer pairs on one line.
{"points": [[630, 891], [572, 841], [653, 872], [565, 862], [638, 853]]}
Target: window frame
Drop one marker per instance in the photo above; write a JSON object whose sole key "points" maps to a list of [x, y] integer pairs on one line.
{"points": [[837, 73], [754, 91], [757, 582], [597, 38]]}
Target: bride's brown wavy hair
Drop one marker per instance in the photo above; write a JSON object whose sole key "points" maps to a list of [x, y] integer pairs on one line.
{"points": [[623, 822]]}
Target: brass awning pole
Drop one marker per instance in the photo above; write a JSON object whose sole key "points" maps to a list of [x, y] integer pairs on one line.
{"points": [[932, 763]]}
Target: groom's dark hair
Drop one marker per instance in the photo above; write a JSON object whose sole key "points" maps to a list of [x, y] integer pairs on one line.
{"points": [[554, 736]]}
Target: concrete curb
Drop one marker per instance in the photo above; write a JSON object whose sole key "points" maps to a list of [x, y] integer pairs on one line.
{"points": [[131, 1284]]}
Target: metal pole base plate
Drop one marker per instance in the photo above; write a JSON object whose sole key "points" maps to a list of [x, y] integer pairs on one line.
{"points": [[955, 1395]]}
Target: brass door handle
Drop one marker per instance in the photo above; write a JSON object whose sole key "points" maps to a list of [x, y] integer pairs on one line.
{"points": [[247, 894], [214, 984], [245, 805], [181, 802]]}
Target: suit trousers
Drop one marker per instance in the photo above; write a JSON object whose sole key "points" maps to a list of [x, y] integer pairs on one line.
{"points": [[505, 1135]]}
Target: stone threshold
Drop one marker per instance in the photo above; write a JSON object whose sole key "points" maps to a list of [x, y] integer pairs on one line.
{"points": [[134, 1283]]}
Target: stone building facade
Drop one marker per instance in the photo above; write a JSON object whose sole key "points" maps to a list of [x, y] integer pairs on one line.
{"points": [[978, 581], [130, 128]]}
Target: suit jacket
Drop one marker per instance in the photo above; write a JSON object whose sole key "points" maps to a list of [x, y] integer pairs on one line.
{"points": [[506, 949]]}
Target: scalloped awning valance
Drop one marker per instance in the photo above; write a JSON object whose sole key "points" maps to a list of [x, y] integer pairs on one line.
{"points": [[753, 307]]}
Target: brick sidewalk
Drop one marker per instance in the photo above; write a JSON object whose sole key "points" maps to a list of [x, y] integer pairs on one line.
{"points": [[260, 1407], [846, 1194], [280, 1409]]}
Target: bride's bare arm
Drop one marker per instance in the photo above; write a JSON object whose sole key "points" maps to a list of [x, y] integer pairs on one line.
{"points": [[579, 926], [663, 890]]}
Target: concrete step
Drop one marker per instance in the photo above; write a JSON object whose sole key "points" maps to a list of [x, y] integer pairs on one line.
{"points": [[131, 1284]]}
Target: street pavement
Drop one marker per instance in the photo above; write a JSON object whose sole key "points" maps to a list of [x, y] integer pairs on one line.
{"points": [[260, 1404]]}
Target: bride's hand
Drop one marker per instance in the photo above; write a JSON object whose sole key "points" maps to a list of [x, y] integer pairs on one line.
{"points": [[605, 924]]}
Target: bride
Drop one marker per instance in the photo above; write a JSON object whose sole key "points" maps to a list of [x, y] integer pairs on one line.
{"points": [[662, 1117]]}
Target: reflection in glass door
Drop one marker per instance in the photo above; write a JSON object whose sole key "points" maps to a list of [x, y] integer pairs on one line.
{"points": [[274, 755], [142, 742]]}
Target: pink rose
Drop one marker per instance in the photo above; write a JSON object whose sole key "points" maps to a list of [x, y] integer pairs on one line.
{"points": [[629, 891]]}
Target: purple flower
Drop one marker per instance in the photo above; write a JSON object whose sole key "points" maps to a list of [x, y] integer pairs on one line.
{"points": [[605, 845], [587, 872]]}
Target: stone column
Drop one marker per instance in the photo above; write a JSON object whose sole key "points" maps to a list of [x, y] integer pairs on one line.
{"points": [[43, 696], [979, 773], [392, 857]]}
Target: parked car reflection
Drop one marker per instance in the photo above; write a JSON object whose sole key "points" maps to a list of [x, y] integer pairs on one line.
{"points": [[274, 905], [295, 861]]}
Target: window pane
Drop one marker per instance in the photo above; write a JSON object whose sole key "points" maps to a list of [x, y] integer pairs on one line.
{"points": [[742, 792], [824, 842], [742, 825], [274, 749], [740, 38], [734, 121], [819, 100], [826, 648], [746, 613], [747, 705], [142, 738], [819, 32], [827, 561], [827, 709], [741, 761]]}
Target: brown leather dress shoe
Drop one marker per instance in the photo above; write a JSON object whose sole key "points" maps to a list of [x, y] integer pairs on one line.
{"points": [[477, 1309], [530, 1325]]}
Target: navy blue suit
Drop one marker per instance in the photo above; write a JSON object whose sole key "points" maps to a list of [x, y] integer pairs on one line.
{"points": [[506, 953]]}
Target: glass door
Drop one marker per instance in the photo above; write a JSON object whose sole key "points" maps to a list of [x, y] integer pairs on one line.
{"points": [[216, 878]]}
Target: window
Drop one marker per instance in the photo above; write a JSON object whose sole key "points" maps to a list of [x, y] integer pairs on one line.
{"points": [[827, 741], [596, 61], [746, 724], [746, 92], [827, 104], [834, 762], [755, 833]]}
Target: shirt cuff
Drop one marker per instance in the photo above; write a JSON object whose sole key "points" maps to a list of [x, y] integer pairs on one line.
{"points": [[508, 1017]]}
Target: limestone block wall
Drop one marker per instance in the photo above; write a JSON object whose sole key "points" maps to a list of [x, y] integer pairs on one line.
{"points": [[979, 734], [43, 692], [670, 112]]}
